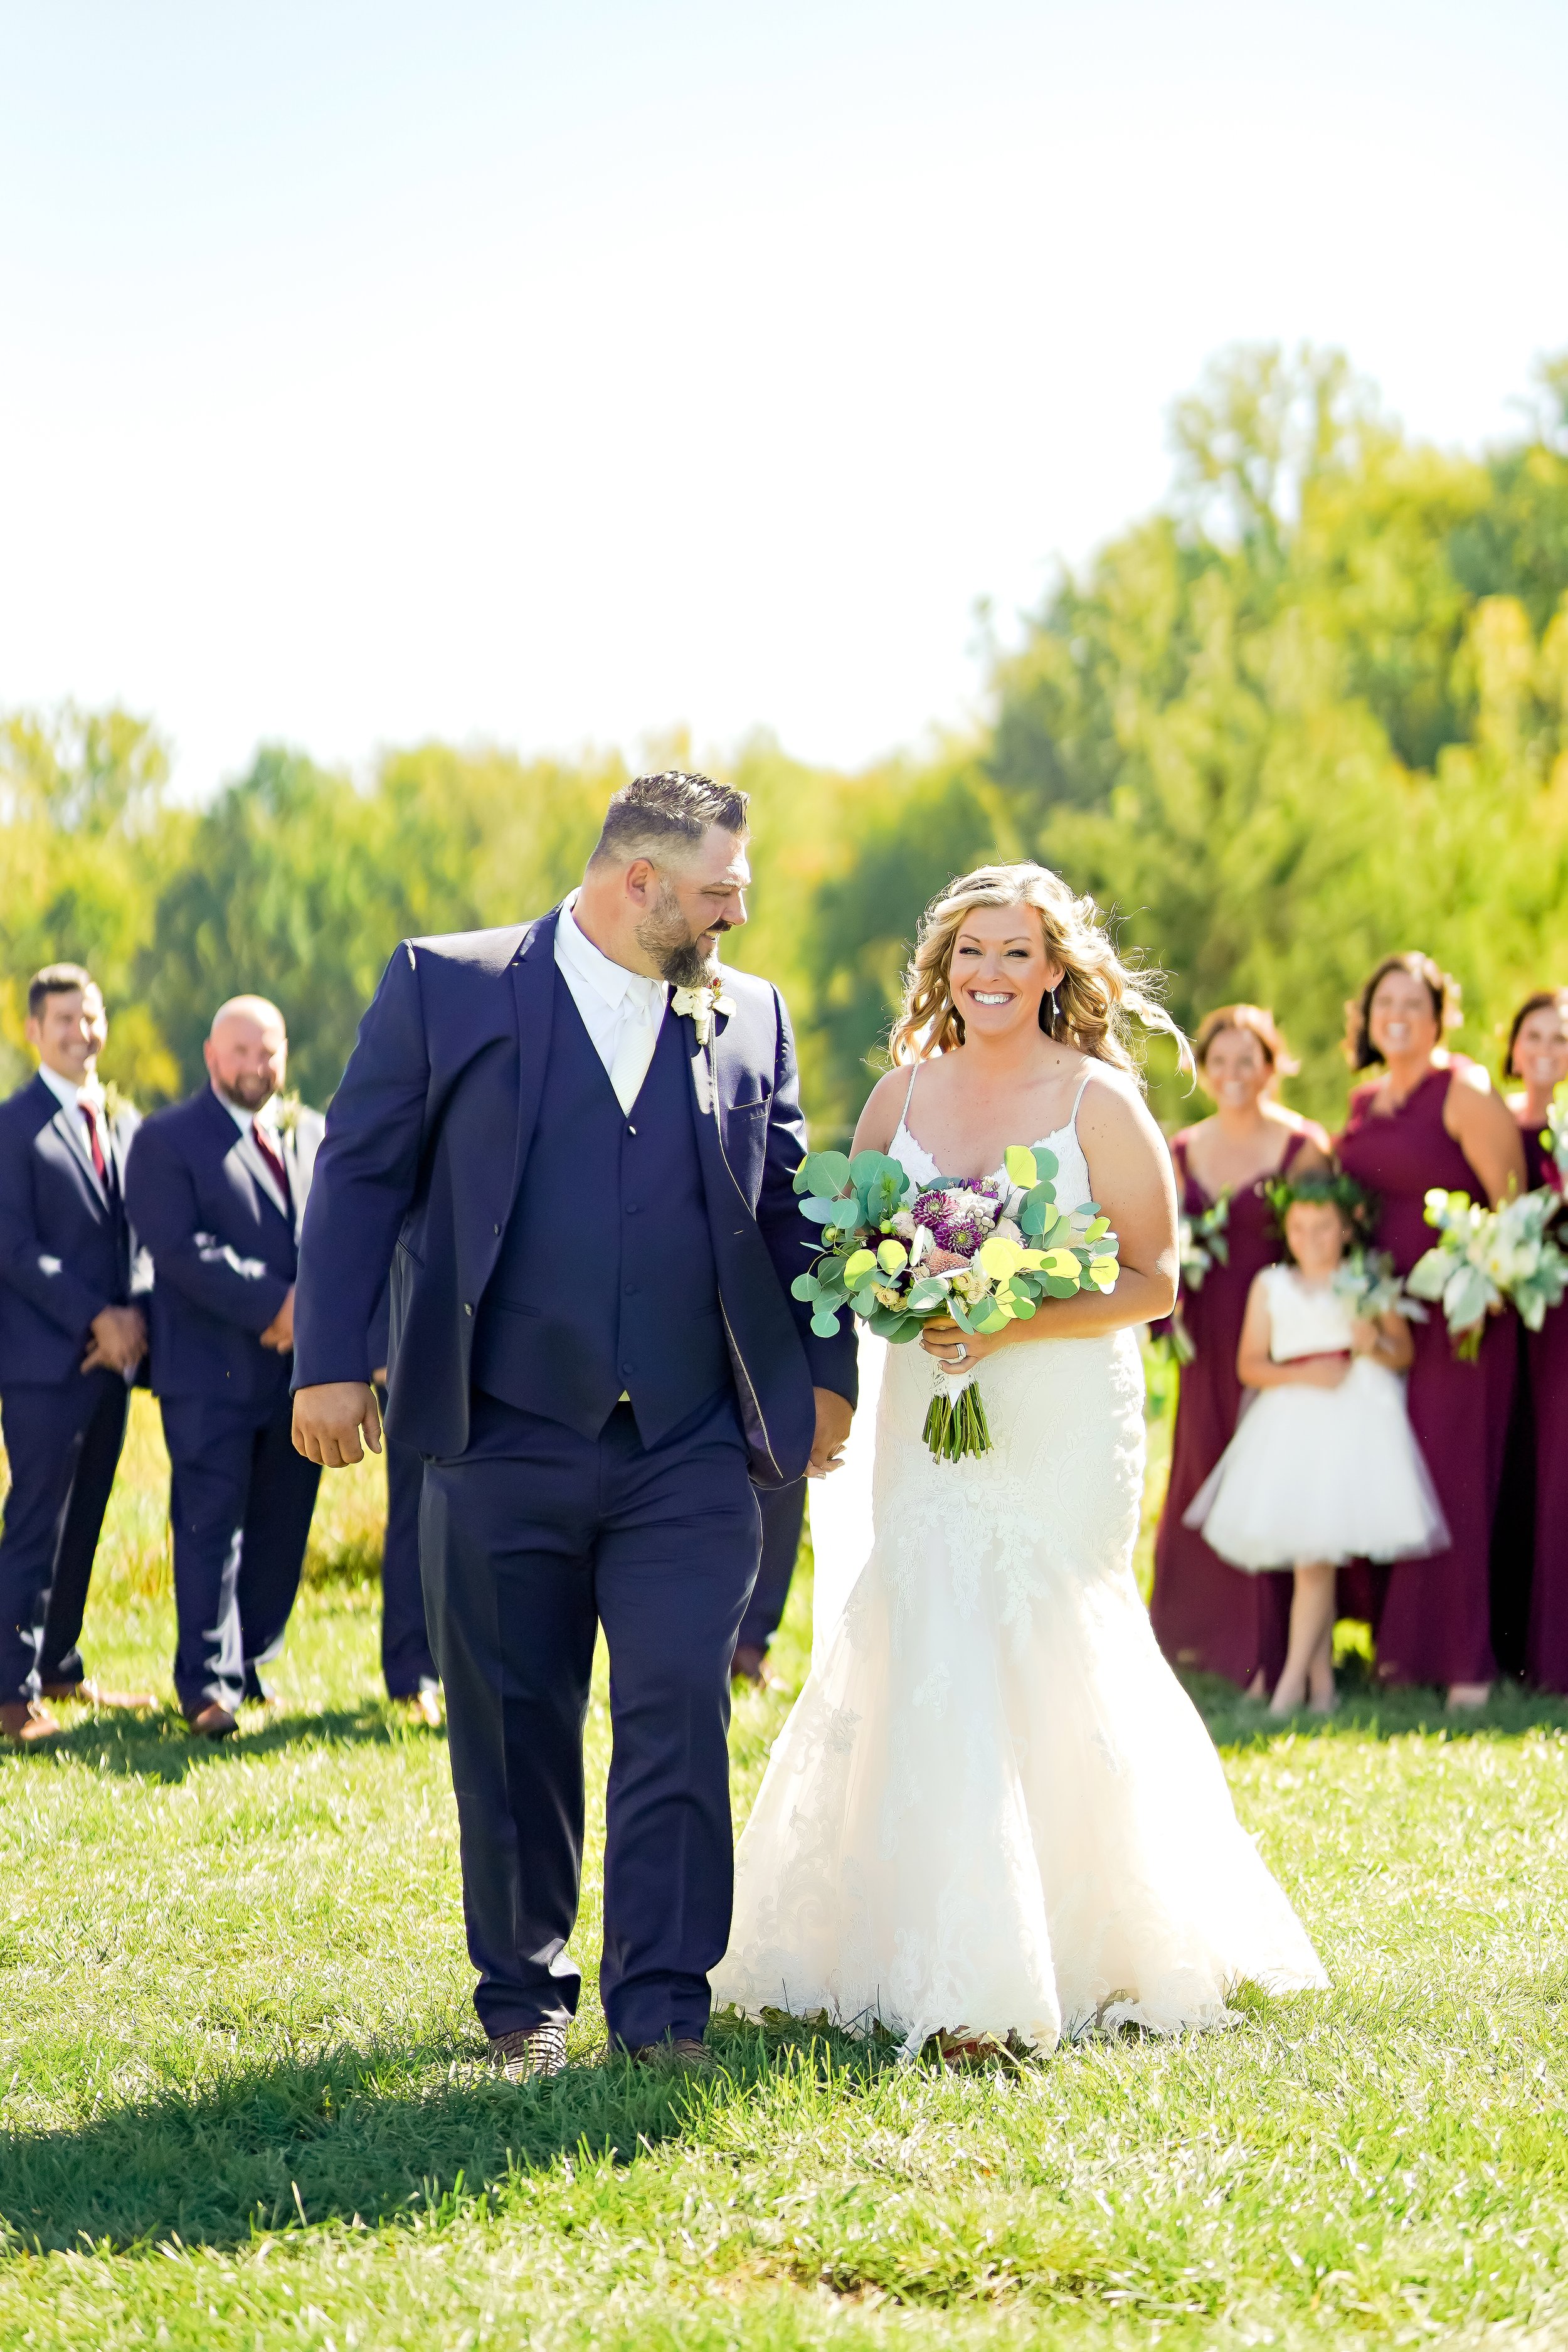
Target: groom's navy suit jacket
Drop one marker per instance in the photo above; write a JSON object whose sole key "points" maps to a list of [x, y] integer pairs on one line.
{"points": [[427, 1145]]}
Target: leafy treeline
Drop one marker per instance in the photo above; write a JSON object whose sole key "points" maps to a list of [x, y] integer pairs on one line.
{"points": [[1315, 708]]}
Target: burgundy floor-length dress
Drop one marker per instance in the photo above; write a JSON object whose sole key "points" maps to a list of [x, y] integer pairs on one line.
{"points": [[1206, 1614], [1435, 1624], [1546, 1651]]}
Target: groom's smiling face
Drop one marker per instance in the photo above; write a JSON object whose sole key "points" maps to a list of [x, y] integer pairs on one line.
{"points": [[691, 904]]}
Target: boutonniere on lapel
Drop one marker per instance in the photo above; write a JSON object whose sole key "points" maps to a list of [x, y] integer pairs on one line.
{"points": [[115, 1105], [700, 1005], [286, 1113]]}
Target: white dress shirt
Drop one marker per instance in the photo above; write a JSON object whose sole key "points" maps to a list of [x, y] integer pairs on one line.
{"points": [[622, 1011], [74, 1099], [260, 1173]]}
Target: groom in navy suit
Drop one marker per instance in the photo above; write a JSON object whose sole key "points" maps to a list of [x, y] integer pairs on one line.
{"points": [[575, 1139]]}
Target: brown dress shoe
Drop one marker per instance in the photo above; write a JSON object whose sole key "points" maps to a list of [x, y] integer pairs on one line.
{"points": [[92, 1694], [24, 1722], [421, 1707], [212, 1722], [677, 2053], [532, 2051]]}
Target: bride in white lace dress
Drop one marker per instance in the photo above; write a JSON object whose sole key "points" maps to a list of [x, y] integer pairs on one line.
{"points": [[994, 1813]]}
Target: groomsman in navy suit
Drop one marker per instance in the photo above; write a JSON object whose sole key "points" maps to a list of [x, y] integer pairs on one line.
{"points": [[578, 1135], [216, 1187], [72, 1333], [406, 1661]]}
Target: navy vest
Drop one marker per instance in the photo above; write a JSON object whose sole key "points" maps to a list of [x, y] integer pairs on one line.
{"points": [[605, 1280]]}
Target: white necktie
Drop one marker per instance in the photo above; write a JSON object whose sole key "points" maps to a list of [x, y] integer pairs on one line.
{"points": [[634, 1047]]}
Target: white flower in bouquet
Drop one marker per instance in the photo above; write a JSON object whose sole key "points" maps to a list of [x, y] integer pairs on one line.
{"points": [[1525, 1259], [1366, 1286], [1456, 1272]]}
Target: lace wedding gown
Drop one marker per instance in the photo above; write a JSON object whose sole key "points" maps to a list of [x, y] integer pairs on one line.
{"points": [[993, 1811]]}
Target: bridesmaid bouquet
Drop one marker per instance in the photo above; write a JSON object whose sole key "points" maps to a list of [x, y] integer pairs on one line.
{"points": [[1554, 1137], [1203, 1241], [1485, 1257], [1366, 1287], [1202, 1244], [984, 1253]]}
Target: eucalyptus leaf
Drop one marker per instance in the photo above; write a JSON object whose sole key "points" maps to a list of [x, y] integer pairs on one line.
{"points": [[824, 1326], [825, 1172]]}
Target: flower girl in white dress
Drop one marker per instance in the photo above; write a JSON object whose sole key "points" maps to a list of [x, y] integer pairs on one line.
{"points": [[994, 1814], [1324, 1467]]}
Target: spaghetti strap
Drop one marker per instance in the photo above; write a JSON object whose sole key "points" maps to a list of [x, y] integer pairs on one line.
{"points": [[1297, 1139], [909, 1098], [1072, 1114]]}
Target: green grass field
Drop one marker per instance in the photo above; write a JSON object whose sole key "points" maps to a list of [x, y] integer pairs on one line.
{"points": [[245, 2101]]}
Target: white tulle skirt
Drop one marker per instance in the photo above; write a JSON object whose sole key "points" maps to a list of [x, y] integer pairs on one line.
{"points": [[1322, 1475], [993, 1811]]}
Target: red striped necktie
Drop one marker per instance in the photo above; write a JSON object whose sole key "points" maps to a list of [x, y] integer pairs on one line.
{"points": [[271, 1160], [99, 1161]]}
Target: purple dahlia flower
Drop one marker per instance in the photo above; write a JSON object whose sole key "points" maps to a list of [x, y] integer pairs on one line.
{"points": [[959, 1218]]}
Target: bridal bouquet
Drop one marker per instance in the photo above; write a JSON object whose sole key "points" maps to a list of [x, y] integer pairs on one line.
{"points": [[1366, 1287], [1485, 1256], [1554, 1137], [897, 1254]]}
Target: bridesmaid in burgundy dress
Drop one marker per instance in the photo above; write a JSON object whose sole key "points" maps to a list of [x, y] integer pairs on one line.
{"points": [[1538, 1054], [1207, 1615], [1432, 1118]]}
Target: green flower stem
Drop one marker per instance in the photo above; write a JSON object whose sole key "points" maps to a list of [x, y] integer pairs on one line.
{"points": [[955, 1427]]}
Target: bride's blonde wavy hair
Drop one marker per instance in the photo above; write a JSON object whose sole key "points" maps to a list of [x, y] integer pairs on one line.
{"points": [[1097, 996]]}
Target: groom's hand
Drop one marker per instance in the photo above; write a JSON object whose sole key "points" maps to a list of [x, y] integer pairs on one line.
{"points": [[328, 1421], [834, 1415]]}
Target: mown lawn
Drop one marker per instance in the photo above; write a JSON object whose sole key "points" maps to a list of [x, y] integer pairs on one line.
{"points": [[246, 2104]]}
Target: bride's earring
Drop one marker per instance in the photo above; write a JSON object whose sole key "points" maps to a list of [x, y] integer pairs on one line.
{"points": [[1054, 1011]]}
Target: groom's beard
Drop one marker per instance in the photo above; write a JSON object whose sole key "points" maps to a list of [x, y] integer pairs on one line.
{"points": [[687, 959]]}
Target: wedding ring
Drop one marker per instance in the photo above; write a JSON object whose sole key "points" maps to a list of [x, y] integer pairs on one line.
{"points": [[962, 1351]]}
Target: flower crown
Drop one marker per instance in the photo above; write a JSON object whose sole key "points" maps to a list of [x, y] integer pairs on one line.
{"points": [[1355, 1204]]}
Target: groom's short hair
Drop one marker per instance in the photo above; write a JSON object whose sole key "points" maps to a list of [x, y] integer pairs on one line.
{"points": [[653, 817]]}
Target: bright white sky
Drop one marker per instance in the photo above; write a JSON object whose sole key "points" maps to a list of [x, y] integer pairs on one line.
{"points": [[372, 368]]}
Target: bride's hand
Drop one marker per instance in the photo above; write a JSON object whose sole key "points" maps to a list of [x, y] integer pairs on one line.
{"points": [[955, 1351]]}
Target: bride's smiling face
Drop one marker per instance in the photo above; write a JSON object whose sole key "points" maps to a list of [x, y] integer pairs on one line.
{"points": [[1000, 971]]}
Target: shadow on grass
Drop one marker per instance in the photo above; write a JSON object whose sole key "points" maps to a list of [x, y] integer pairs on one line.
{"points": [[158, 1745], [378, 2134], [1372, 1710]]}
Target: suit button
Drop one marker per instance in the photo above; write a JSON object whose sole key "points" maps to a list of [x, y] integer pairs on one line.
{"points": [[631, 1208], [631, 1290], [627, 1372]]}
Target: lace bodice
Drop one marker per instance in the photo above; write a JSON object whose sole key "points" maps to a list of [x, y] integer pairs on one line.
{"points": [[1071, 1179]]}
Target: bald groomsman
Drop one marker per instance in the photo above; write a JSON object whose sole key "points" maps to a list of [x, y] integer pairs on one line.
{"points": [[216, 1187], [72, 1334]]}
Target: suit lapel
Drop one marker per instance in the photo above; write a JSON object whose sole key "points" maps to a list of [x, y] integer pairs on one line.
{"points": [[300, 1159], [533, 1009], [73, 1134], [714, 1088]]}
